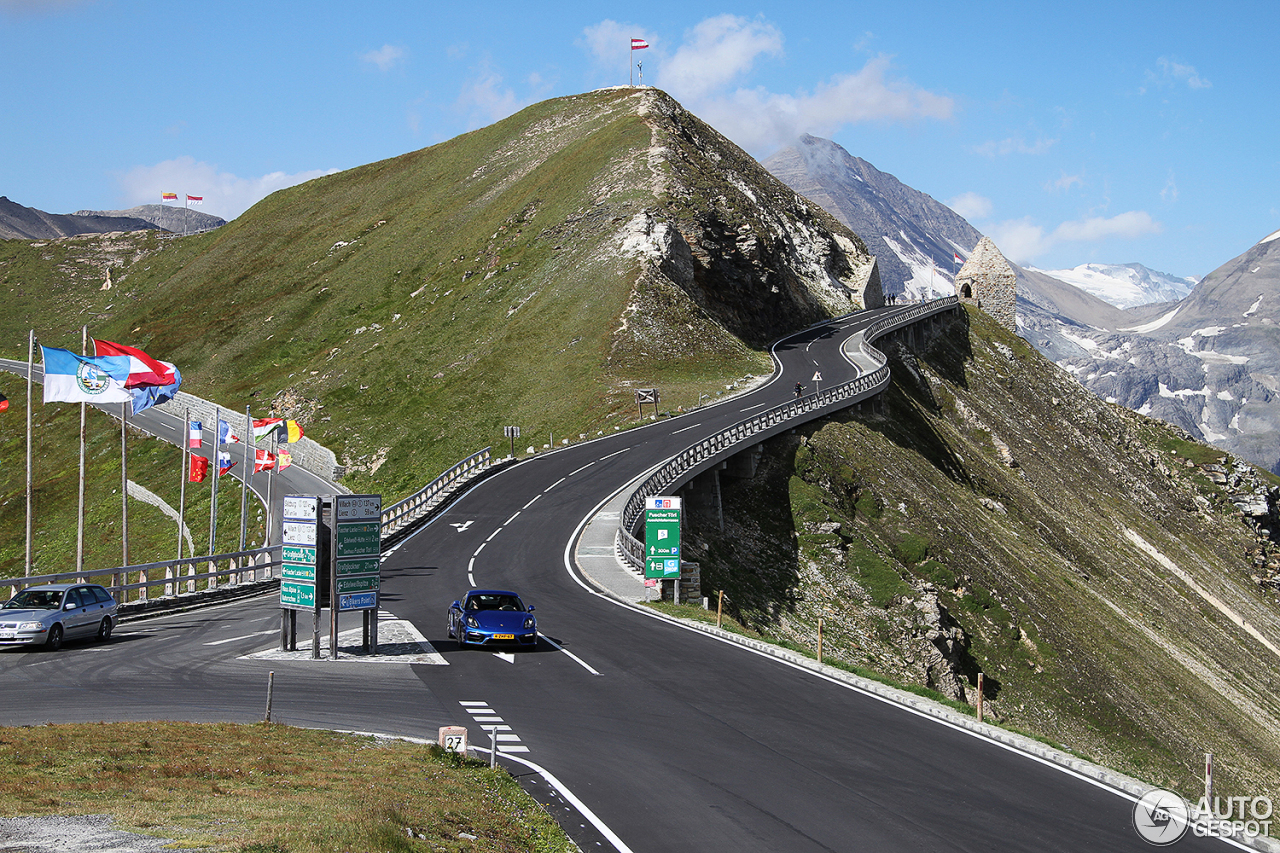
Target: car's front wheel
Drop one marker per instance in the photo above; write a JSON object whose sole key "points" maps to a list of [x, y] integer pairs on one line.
{"points": [[54, 641], [104, 629]]}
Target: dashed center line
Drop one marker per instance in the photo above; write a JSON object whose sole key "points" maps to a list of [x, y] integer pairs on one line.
{"points": [[686, 429], [583, 468]]}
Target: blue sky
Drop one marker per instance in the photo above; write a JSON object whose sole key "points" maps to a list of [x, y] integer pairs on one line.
{"points": [[1070, 133]]}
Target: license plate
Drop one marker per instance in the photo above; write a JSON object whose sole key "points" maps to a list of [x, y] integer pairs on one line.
{"points": [[7, 635], [504, 636]]}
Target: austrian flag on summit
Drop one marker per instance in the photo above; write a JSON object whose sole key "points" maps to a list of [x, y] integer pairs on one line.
{"points": [[639, 44]]}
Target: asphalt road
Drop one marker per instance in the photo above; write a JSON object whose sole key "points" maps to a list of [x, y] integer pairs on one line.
{"points": [[674, 740]]}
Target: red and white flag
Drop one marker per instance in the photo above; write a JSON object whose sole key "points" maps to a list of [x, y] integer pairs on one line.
{"points": [[195, 199], [263, 461], [195, 434], [168, 197], [639, 44], [959, 259]]}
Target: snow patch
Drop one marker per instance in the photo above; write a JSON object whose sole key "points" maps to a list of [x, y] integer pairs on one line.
{"points": [[1269, 238], [1182, 393], [1253, 309], [1154, 324]]}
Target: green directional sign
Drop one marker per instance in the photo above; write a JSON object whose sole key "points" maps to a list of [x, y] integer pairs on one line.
{"points": [[304, 555], [662, 537], [358, 538], [293, 572], [364, 583], [359, 566], [299, 596]]}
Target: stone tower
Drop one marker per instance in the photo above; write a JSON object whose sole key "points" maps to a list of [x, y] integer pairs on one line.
{"points": [[987, 280]]}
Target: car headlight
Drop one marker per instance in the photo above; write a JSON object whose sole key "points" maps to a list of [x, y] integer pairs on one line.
{"points": [[471, 622], [529, 623], [31, 626]]}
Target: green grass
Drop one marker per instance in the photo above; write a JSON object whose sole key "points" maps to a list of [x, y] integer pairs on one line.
{"points": [[270, 788]]}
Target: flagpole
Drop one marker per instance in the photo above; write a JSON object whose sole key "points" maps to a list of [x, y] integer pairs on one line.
{"points": [[184, 466], [31, 357], [271, 481], [244, 477], [84, 350], [217, 468], [124, 499], [631, 78]]}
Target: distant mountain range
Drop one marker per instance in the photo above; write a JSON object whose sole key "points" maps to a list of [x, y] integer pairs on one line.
{"points": [[1201, 355], [27, 223]]}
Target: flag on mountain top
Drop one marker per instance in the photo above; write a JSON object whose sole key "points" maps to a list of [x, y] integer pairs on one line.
{"points": [[71, 378], [143, 369], [195, 434], [639, 44], [195, 199], [263, 460], [226, 435], [4, 402], [168, 197], [224, 462]]}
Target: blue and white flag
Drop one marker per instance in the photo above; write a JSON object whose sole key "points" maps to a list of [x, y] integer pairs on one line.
{"points": [[71, 378], [226, 435]]}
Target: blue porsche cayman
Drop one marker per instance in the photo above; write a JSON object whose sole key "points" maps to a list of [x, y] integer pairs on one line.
{"points": [[492, 617]]}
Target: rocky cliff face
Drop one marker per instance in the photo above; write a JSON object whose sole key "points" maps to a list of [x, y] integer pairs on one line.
{"points": [[27, 223], [1113, 579]]}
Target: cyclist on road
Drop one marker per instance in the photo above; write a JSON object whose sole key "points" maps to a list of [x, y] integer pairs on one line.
{"points": [[799, 389]]}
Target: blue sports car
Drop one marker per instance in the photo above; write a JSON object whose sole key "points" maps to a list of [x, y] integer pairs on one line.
{"points": [[492, 617]]}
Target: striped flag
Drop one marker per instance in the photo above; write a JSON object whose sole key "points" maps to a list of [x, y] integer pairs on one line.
{"points": [[195, 199], [226, 435], [168, 197], [224, 462], [959, 259], [195, 434], [639, 44]]}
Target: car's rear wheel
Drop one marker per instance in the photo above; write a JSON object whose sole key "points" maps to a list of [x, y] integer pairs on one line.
{"points": [[54, 641], [104, 629]]}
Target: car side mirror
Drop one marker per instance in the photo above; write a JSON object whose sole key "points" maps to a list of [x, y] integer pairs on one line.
{"points": [[457, 604], [70, 605], [531, 608]]}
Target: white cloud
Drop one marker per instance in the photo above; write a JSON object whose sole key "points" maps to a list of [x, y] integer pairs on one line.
{"points": [[485, 98], [1170, 192], [716, 52], [225, 194], [385, 57], [971, 206], [1065, 182], [1022, 241], [707, 72], [1173, 72]]}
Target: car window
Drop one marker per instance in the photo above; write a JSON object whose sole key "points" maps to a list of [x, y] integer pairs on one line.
{"points": [[493, 602], [73, 597], [101, 594], [35, 599]]}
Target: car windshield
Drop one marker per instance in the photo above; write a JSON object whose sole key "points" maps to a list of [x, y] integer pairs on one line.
{"points": [[492, 601], [35, 599]]}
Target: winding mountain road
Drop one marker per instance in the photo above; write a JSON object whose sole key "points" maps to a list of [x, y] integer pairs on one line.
{"points": [[671, 739]]}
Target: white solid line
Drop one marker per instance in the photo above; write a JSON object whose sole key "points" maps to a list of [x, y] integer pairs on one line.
{"points": [[511, 519], [513, 749], [686, 429], [474, 704], [245, 637], [486, 719], [530, 503], [561, 648], [756, 406], [601, 827], [583, 468], [508, 738]]}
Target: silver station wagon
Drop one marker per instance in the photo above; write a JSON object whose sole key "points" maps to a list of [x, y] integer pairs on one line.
{"points": [[48, 614]]}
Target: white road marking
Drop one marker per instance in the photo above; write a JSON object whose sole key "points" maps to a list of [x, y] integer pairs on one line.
{"points": [[478, 550], [492, 725], [493, 534], [614, 453], [583, 468], [511, 519], [756, 406], [686, 429], [553, 485], [463, 526], [579, 660], [509, 657], [530, 503], [471, 577], [244, 637]]}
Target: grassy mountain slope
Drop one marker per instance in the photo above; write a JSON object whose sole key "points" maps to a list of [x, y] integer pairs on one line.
{"points": [[531, 273], [997, 517]]}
